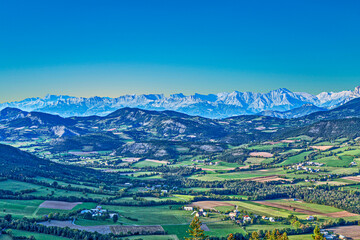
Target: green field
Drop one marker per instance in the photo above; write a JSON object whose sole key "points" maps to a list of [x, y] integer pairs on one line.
{"points": [[295, 159], [38, 236], [5, 237], [334, 161], [19, 208], [30, 208], [152, 215], [264, 210], [300, 237], [15, 186], [147, 164], [307, 206]]}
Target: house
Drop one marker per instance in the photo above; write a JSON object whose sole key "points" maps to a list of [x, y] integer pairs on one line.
{"points": [[233, 215], [188, 208], [329, 237], [201, 213], [271, 219], [324, 232], [98, 211], [265, 217], [310, 218], [246, 218]]}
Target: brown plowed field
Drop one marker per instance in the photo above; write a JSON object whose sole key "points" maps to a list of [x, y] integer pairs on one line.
{"points": [[352, 232], [322, 148], [156, 161], [353, 178], [266, 179], [261, 154], [59, 205], [210, 204], [148, 230]]}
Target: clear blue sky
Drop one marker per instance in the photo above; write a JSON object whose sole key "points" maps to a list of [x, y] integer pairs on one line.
{"points": [[111, 48]]}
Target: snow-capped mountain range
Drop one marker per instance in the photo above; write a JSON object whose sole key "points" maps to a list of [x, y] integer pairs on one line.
{"points": [[219, 105]]}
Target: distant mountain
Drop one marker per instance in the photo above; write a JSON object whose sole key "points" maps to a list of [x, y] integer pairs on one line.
{"points": [[350, 109], [22, 125], [304, 110], [218, 106], [328, 129], [16, 162]]}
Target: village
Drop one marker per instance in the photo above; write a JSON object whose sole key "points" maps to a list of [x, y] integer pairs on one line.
{"points": [[302, 166]]}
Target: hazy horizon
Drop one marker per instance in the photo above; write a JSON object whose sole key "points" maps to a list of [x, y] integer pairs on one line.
{"points": [[165, 95]]}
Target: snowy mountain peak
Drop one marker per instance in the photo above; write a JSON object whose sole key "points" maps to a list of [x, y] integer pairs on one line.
{"points": [[219, 105]]}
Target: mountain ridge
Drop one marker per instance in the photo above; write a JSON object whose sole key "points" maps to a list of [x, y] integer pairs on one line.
{"points": [[216, 106]]}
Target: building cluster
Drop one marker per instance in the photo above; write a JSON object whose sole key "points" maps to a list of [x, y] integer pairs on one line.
{"points": [[205, 162], [157, 187], [200, 213], [271, 219], [239, 218], [95, 212], [330, 236], [303, 166]]}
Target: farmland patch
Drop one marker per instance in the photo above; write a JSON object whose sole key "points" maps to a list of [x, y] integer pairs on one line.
{"points": [[59, 205]]}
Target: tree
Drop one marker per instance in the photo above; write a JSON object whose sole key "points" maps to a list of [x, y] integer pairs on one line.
{"points": [[284, 236], [115, 218], [231, 237], [195, 231], [8, 217], [317, 235], [254, 236], [55, 184]]}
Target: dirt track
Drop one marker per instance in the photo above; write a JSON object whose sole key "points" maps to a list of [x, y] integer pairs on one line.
{"points": [[104, 229]]}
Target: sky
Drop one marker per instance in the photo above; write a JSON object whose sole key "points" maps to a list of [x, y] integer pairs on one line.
{"points": [[112, 48]]}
